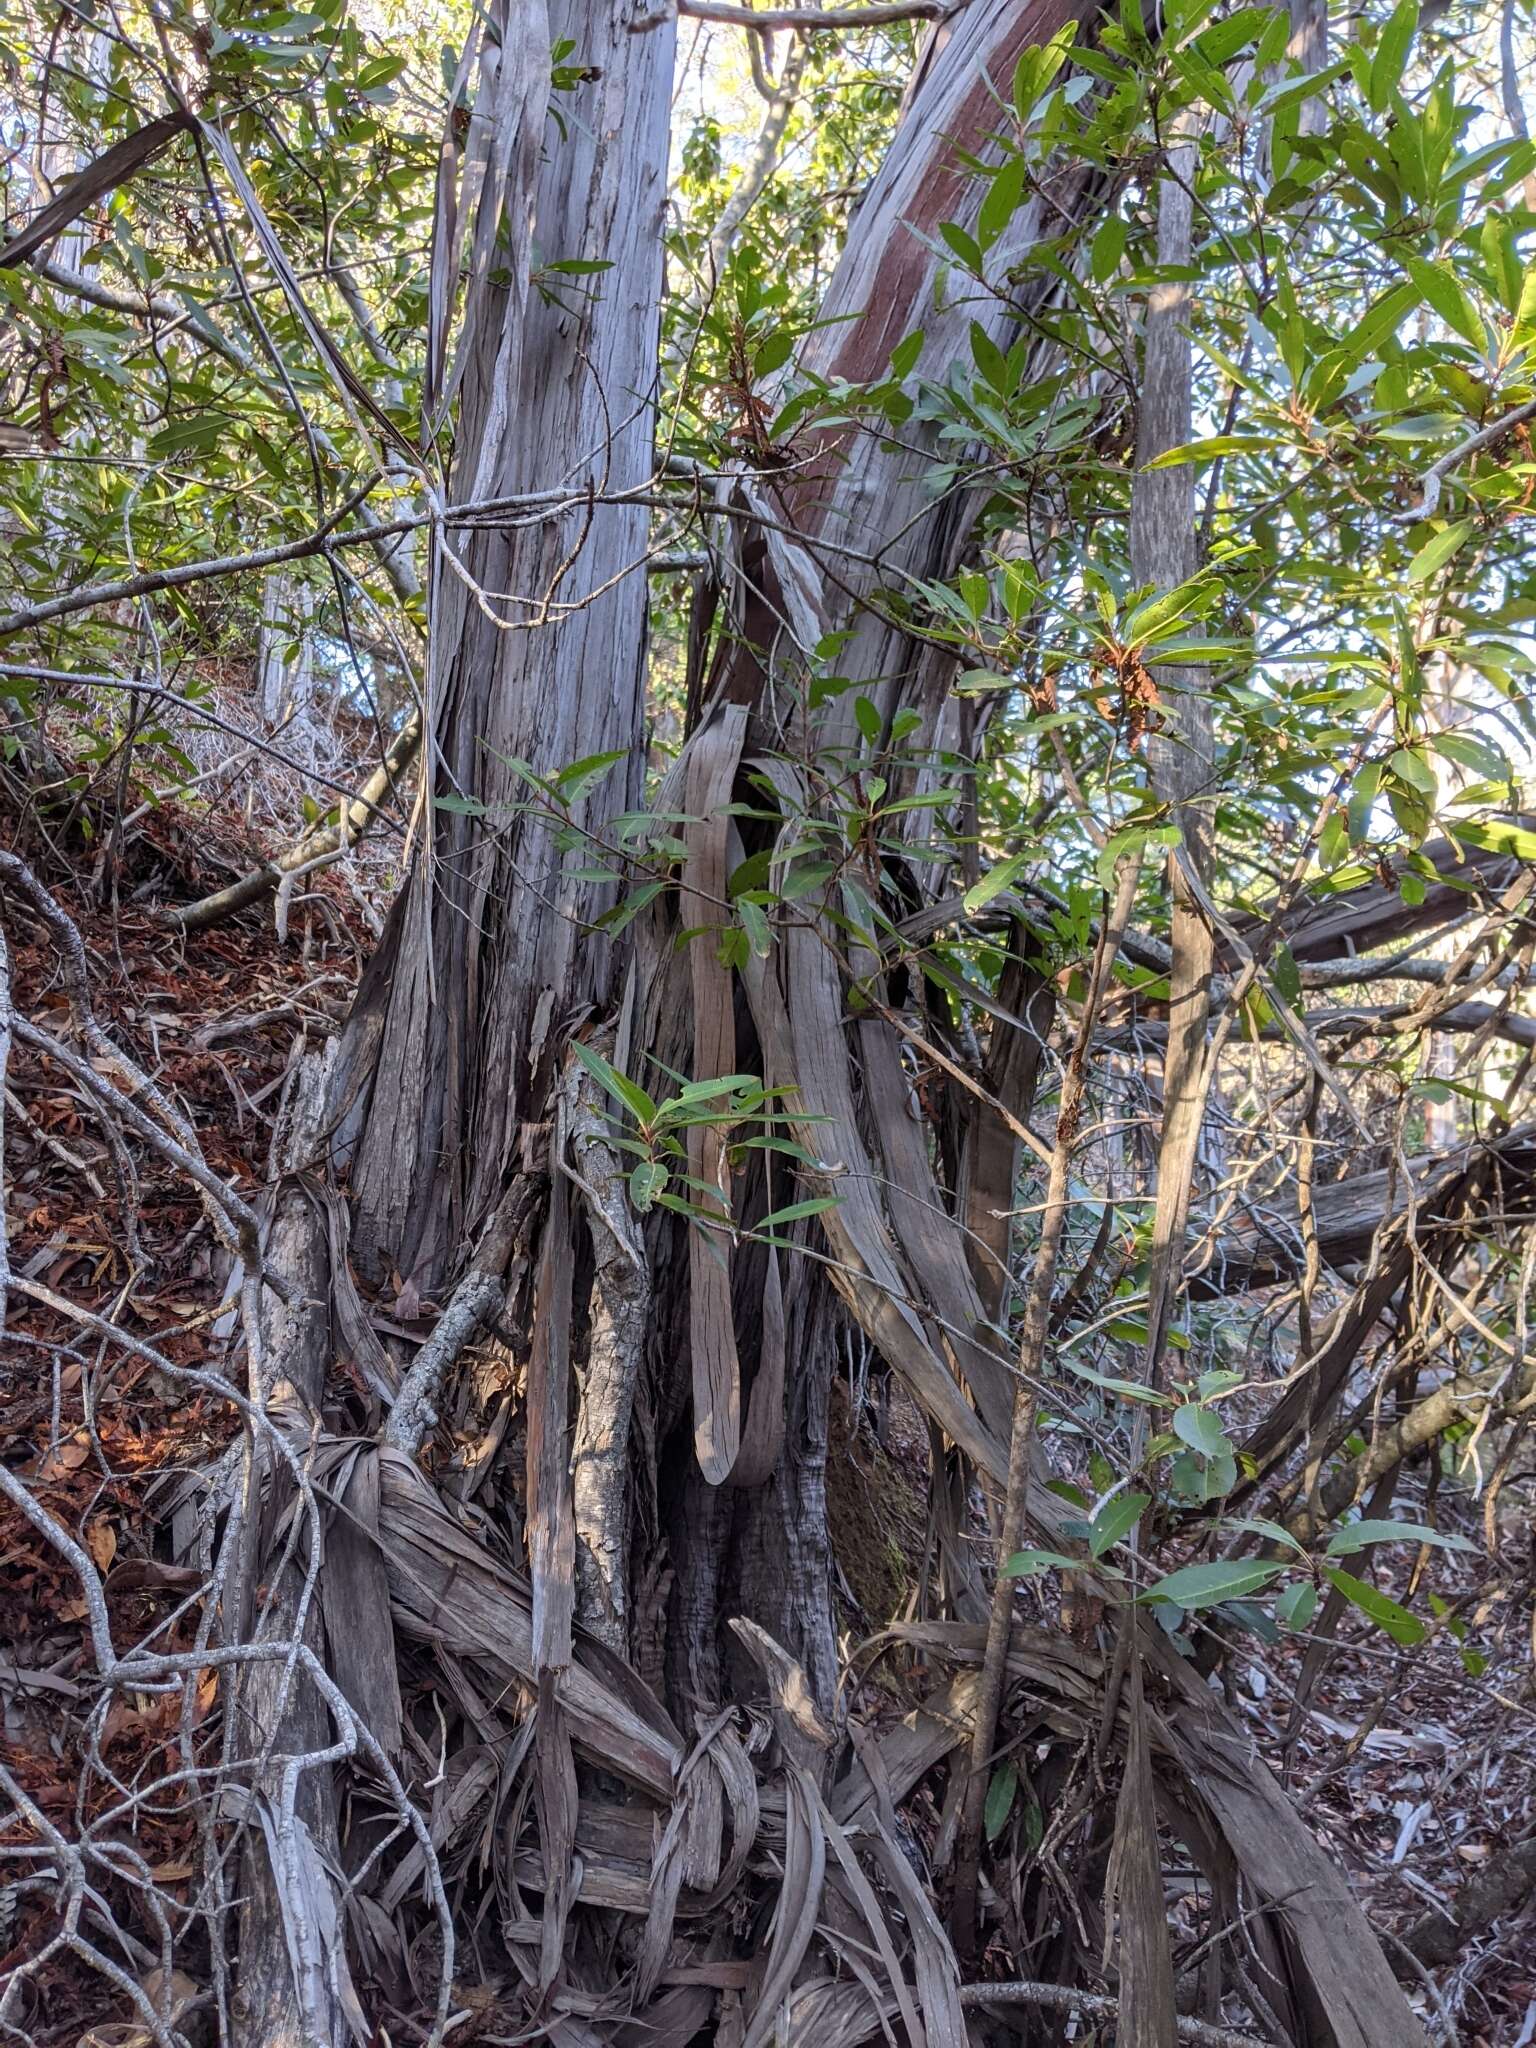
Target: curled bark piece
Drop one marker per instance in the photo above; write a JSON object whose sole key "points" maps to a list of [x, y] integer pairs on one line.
{"points": [[112, 168]]}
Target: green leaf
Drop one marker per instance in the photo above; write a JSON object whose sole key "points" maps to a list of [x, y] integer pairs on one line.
{"points": [[1522, 330], [1444, 291], [1004, 197], [867, 717], [1362, 796], [1212, 449], [1199, 1428], [1203, 1585], [1037, 67], [694, 1092], [1133, 840], [1400, 1625], [581, 776], [1115, 1520], [1468, 751], [646, 1182], [960, 244], [1027, 1564], [755, 924], [1410, 766], [624, 914], [990, 360], [1297, 1605], [1128, 1390], [1500, 835], [1355, 1536], [993, 883], [1392, 54], [630, 1093], [1108, 247], [905, 354], [1286, 974], [814, 1205], [1000, 1798], [1437, 551], [774, 353]]}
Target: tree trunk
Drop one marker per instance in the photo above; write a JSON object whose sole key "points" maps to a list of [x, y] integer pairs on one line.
{"points": [[678, 1373], [489, 960]]}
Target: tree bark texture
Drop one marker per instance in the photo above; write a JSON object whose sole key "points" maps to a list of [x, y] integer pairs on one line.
{"points": [[489, 958]]}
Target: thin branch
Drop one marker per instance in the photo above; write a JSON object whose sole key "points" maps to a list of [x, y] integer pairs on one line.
{"points": [[312, 851], [1485, 437], [470, 1307], [877, 14], [760, 165], [184, 573]]}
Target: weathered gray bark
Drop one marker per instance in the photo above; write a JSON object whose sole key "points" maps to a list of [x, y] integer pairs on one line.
{"points": [[282, 1999], [489, 957]]}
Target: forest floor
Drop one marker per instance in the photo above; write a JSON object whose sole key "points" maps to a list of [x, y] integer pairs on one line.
{"points": [[1419, 1770]]}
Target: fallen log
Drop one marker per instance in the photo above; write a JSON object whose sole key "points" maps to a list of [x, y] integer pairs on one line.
{"points": [[1267, 1248], [1360, 920]]}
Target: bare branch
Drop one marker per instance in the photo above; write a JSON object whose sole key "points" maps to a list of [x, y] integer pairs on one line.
{"points": [[1485, 437], [876, 15]]}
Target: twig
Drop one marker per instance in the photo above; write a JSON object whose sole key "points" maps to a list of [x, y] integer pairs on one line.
{"points": [[310, 851], [470, 1307], [1485, 437]]}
